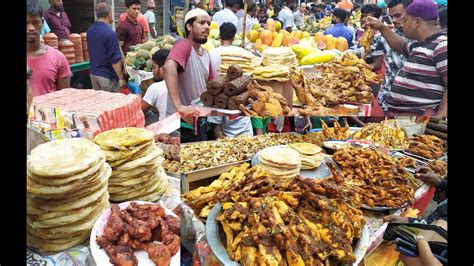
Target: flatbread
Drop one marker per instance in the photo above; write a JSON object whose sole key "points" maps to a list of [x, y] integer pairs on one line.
{"points": [[122, 138], [65, 180], [154, 157], [306, 148], [38, 189], [117, 174], [284, 156], [117, 155], [57, 245], [139, 154], [147, 190], [71, 216], [64, 157]]}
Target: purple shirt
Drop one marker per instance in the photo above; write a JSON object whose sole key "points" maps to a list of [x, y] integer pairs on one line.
{"points": [[58, 25], [131, 33]]}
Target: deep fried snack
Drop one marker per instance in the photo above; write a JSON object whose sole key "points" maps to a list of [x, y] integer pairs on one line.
{"points": [[428, 146], [115, 226], [118, 255]]}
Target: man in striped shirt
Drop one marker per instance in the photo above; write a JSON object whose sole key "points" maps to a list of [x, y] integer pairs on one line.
{"points": [[421, 86]]}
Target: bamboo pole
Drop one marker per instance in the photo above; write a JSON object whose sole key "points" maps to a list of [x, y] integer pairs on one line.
{"points": [[244, 25]]}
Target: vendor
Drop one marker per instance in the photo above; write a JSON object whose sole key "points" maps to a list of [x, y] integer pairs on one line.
{"points": [[421, 86], [50, 68], [225, 126], [157, 94], [188, 67]]}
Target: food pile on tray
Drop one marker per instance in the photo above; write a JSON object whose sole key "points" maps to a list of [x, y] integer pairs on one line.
{"points": [[140, 227], [310, 221], [382, 181], [341, 81], [66, 193], [334, 133], [264, 102], [390, 137], [136, 164], [283, 163], [170, 146], [438, 167], [427, 146]]}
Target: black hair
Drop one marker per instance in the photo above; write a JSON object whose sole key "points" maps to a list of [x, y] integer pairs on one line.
{"points": [[227, 31], [229, 3], [34, 9], [341, 14], [251, 7], [129, 3], [263, 9], [276, 9], [443, 16], [102, 8], [190, 21], [393, 3], [173, 28], [239, 3], [159, 57], [371, 8]]}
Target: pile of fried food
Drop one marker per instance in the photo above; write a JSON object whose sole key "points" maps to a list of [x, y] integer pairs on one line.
{"points": [[428, 146], [265, 102], [407, 162], [366, 40], [381, 179], [334, 133], [339, 81], [135, 159], [392, 137], [307, 221], [170, 146], [438, 167], [140, 227], [209, 154], [283, 56], [272, 72], [66, 193]]}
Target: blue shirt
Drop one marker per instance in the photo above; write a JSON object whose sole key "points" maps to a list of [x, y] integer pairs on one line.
{"points": [[104, 50], [340, 30]]}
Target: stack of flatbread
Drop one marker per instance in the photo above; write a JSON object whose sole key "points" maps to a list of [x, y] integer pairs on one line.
{"points": [[283, 162], [310, 154], [66, 193], [236, 55], [136, 164], [272, 72], [279, 56]]}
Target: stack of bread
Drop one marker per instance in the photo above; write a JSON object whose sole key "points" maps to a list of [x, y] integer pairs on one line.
{"points": [[283, 162], [272, 72], [239, 56], [310, 154], [66, 193], [136, 164], [279, 56]]}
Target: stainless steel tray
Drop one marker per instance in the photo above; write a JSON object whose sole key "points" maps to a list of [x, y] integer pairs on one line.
{"points": [[214, 111], [419, 163], [212, 171]]}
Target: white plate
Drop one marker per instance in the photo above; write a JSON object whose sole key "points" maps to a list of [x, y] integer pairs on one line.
{"points": [[101, 258]]}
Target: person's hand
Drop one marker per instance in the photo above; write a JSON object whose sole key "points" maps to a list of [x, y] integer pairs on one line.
{"points": [[308, 125], [187, 111], [374, 23], [429, 177], [392, 218], [122, 83], [425, 256]]}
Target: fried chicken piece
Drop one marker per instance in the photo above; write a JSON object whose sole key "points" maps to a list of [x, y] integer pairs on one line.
{"points": [[174, 244], [126, 240], [158, 253], [139, 230], [174, 223], [118, 255], [115, 225], [407, 162]]}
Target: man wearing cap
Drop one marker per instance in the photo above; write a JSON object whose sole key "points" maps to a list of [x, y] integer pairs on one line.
{"points": [[151, 18], [188, 67], [421, 86]]}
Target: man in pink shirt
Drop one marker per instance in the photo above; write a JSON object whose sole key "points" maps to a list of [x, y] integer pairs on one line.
{"points": [[188, 67], [50, 68]]}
